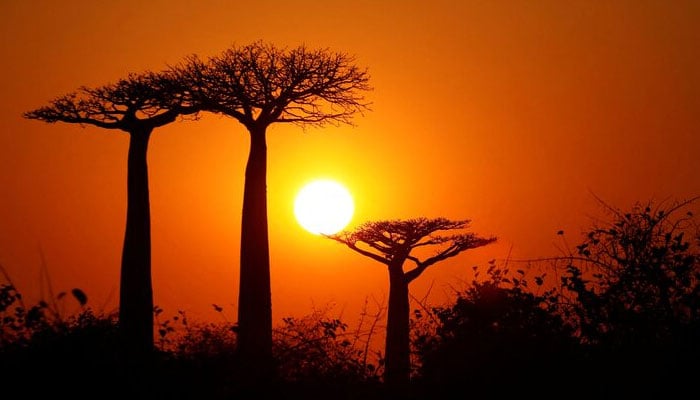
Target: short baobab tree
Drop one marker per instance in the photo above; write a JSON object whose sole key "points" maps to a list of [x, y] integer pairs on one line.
{"points": [[136, 105], [258, 85], [391, 243]]}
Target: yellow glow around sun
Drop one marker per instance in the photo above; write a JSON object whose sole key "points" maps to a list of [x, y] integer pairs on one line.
{"points": [[323, 207]]}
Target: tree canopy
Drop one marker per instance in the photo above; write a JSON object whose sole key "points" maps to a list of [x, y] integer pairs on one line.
{"points": [[261, 83], [146, 100], [390, 240]]}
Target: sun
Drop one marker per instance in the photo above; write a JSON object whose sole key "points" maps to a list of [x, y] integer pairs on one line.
{"points": [[323, 206]]}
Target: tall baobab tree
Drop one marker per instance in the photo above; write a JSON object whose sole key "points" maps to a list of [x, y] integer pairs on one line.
{"points": [[391, 243], [258, 85], [136, 105]]}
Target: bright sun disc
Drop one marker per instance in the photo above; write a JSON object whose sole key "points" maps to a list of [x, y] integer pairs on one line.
{"points": [[323, 207]]}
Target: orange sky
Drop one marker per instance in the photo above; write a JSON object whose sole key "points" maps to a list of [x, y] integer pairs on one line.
{"points": [[509, 113]]}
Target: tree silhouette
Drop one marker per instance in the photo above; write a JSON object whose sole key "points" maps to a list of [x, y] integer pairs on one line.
{"points": [[257, 85], [391, 243], [137, 105]]}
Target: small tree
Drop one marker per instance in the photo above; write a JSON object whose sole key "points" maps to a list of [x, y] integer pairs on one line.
{"points": [[136, 105], [391, 243], [258, 85]]}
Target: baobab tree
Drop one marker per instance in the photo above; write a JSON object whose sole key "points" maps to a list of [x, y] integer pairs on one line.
{"points": [[258, 85], [136, 105], [391, 243]]}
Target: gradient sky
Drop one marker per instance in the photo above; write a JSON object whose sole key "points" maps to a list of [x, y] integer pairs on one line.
{"points": [[513, 114]]}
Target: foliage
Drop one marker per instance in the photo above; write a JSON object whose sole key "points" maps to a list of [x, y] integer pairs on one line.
{"points": [[624, 321], [634, 292], [194, 339], [636, 278], [40, 344], [315, 354], [496, 329], [318, 348], [21, 325], [196, 359]]}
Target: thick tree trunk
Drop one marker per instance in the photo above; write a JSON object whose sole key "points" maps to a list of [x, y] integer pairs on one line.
{"points": [[398, 363], [136, 292], [254, 295]]}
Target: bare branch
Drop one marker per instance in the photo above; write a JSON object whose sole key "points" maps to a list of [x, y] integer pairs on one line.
{"points": [[353, 245], [458, 244]]}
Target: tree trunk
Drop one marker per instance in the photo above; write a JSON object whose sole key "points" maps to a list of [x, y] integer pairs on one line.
{"points": [[398, 363], [254, 295], [136, 291]]}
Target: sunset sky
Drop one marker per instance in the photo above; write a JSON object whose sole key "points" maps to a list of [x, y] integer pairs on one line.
{"points": [[514, 114]]}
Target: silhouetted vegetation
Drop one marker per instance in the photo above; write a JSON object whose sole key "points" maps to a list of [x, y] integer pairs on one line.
{"points": [[616, 316], [632, 290], [42, 350], [80, 356], [500, 336]]}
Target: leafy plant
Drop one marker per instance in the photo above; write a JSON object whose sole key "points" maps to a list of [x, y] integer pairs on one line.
{"points": [[634, 290], [319, 348], [496, 329]]}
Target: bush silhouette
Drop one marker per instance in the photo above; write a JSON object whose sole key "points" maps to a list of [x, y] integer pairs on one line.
{"points": [[621, 321], [497, 334], [633, 285]]}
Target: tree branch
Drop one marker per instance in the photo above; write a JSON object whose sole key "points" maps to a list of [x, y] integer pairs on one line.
{"points": [[354, 247]]}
